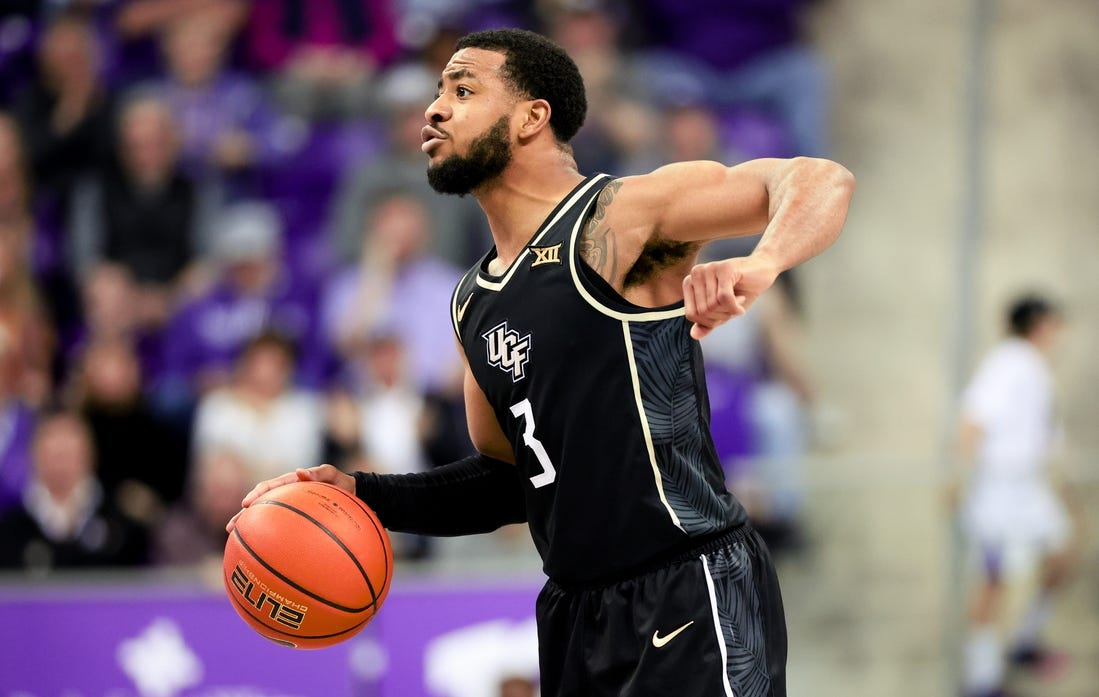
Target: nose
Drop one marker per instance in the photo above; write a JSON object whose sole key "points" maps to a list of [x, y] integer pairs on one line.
{"points": [[437, 111]]}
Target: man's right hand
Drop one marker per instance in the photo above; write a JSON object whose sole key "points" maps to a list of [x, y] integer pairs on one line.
{"points": [[321, 473]]}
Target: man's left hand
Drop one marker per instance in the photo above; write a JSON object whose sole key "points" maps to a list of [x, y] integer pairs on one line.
{"points": [[715, 292]]}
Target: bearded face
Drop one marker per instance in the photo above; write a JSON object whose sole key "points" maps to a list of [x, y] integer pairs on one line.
{"points": [[488, 157]]}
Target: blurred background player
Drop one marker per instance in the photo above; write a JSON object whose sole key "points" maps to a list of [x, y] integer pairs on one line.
{"points": [[1011, 513]]}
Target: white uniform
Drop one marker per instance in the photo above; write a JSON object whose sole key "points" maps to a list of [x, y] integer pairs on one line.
{"points": [[1011, 510]]}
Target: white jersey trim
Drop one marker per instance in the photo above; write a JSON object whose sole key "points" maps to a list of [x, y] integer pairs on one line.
{"points": [[640, 315], [546, 227], [645, 424], [717, 627]]}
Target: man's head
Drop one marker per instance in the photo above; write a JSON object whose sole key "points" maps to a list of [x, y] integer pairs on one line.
{"points": [[149, 139], [63, 453], [1036, 319], [196, 47], [69, 52], [502, 89], [266, 366], [110, 374], [249, 245], [397, 228]]}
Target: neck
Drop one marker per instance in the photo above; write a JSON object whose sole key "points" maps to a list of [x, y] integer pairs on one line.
{"points": [[520, 199]]}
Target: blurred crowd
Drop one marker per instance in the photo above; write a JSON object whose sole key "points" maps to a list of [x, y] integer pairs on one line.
{"points": [[220, 258]]}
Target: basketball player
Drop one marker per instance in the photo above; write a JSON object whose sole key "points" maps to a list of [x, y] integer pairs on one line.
{"points": [[584, 389], [1010, 512]]}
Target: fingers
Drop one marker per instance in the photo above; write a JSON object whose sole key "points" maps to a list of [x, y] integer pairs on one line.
{"points": [[710, 298], [232, 522], [320, 473], [312, 474], [265, 486]]}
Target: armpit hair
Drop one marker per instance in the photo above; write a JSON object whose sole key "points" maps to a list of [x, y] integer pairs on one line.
{"points": [[658, 254]]}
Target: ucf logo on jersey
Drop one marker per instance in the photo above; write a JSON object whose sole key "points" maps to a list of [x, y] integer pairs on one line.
{"points": [[507, 350]]}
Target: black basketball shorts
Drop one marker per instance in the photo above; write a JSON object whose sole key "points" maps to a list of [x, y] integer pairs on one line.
{"points": [[708, 624]]}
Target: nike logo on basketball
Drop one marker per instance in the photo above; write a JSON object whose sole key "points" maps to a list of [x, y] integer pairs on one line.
{"points": [[462, 308], [661, 641]]}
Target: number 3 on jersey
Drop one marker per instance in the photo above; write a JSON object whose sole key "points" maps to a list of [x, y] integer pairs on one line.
{"points": [[522, 411]]}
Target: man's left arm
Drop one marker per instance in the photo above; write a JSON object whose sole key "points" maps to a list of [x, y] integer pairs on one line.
{"points": [[799, 205]]}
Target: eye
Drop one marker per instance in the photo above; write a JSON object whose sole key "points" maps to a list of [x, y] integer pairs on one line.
{"points": [[463, 92]]}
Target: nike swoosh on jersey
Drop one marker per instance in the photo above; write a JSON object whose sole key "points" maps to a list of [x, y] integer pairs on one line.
{"points": [[462, 308], [661, 641]]}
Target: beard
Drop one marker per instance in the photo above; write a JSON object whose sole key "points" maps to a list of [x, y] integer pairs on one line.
{"points": [[489, 155]]}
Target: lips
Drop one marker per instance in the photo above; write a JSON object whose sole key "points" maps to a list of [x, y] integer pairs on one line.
{"points": [[432, 137]]}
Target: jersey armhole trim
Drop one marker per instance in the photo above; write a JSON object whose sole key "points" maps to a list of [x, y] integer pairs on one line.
{"points": [[638, 315]]}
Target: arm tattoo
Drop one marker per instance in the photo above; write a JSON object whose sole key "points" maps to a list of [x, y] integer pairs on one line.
{"points": [[598, 246]]}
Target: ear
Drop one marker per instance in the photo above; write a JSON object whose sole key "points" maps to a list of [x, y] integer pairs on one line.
{"points": [[535, 118]]}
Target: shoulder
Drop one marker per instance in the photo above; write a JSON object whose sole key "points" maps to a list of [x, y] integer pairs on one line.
{"points": [[220, 402], [1013, 357], [301, 403]]}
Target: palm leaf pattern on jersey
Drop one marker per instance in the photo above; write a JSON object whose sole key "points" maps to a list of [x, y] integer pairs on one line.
{"points": [[662, 351], [738, 612]]}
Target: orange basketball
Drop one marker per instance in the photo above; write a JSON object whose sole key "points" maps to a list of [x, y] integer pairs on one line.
{"points": [[308, 565]]}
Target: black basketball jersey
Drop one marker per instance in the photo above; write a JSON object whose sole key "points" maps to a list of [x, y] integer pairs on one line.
{"points": [[604, 403]]}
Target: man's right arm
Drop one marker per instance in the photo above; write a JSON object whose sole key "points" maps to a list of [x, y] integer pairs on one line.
{"points": [[474, 495]]}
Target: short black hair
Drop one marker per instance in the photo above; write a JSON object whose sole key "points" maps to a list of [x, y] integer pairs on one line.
{"points": [[1027, 312], [538, 69]]}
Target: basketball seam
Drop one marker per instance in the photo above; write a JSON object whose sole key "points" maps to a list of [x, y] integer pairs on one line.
{"points": [[296, 636], [338, 541], [286, 580], [377, 528]]}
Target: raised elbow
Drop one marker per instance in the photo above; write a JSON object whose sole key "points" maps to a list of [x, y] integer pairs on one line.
{"points": [[824, 172], [843, 178]]}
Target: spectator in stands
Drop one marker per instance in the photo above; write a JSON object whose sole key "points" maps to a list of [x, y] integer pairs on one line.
{"points": [[17, 420], [66, 114], [40, 243], [323, 53], [399, 286], [110, 300], [381, 427], [142, 462], [748, 54], [260, 417], [138, 24], [146, 215], [15, 194], [253, 293], [384, 426], [25, 321], [691, 133], [621, 131], [457, 230], [223, 118], [65, 520], [193, 532]]}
